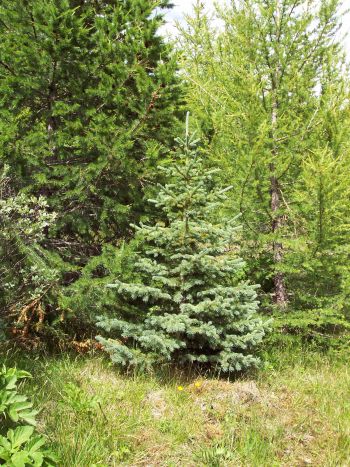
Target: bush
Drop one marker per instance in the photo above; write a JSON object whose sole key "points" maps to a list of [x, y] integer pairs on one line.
{"points": [[27, 273]]}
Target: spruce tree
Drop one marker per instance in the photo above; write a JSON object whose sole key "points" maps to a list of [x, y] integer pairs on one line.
{"points": [[187, 300], [88, 104]]}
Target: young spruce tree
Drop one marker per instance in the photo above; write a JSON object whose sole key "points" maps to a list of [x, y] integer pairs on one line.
{"points": [[188, 301]]}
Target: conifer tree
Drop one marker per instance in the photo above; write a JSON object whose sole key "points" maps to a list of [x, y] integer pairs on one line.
{"points": [[254, 86], [188, 300], [88, 103]]}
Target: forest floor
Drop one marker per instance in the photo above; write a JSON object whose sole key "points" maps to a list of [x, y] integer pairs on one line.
{"points": [[295, 412]]}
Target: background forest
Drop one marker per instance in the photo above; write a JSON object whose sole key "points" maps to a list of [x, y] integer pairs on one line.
{"points": [[178, 203]]}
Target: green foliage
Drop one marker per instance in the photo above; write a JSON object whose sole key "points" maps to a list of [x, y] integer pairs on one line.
{"points": [[324, 329], [78, 400], [187, 300], [89, 102], [215, 456], [27, 271], [326, 321], [20, 446], [270, 92], [83, 298], [15, 407], [316, 259]]}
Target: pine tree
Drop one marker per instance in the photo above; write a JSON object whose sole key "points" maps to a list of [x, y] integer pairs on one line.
{"points": [[188, 301], [89, 96]]}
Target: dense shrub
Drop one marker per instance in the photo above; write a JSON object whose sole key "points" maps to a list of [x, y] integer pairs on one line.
{"points": [[27, 274]]}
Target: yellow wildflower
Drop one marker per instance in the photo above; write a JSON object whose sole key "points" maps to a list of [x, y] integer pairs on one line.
{"points": [[180, 388]]}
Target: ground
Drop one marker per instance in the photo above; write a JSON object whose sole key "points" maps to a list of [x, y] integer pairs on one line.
{"points": [[294, 412]]}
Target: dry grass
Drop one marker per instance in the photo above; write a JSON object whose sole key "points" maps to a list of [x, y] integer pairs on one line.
{"points": [[293, 414]]}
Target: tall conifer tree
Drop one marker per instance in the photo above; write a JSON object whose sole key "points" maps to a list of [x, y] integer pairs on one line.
{"points": [[255, 85], [88, 101]]}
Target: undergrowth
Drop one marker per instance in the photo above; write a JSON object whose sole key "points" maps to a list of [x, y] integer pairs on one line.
{"points": [[294, 411]]}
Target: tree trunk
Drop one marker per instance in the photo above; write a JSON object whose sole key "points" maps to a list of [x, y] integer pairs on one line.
{"points": [[280, 292]]}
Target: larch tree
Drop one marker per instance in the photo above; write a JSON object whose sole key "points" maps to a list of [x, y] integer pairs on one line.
{"points": [[321, 199], [255, 86]]}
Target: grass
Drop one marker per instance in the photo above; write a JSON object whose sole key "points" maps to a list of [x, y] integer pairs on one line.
{"points": [[294, 412]]}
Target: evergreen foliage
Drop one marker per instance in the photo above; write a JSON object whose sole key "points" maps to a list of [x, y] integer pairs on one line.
{"points": [[189, 301], [89, 99], [83, 299], [89, 103], [27, 271]]}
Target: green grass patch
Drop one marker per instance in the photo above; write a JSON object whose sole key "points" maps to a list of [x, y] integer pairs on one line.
{"points": [[294, 412]]}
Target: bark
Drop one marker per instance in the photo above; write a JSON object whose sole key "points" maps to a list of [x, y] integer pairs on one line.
{"points": [[280, 292]]}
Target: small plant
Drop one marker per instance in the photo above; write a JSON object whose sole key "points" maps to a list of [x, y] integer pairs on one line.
{"points": [[20, 446], [78, 400], [13, 406], [28, 271], [214, 456], [121, 453]]}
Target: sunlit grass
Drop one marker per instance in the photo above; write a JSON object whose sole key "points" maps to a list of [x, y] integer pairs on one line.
{"points": [[295, 412]]}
